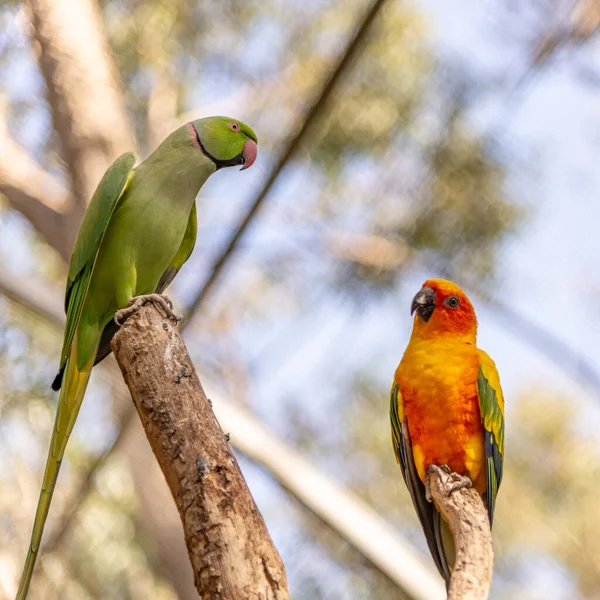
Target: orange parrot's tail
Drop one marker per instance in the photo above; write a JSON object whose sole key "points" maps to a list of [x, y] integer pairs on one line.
{"points": [[444, 545]]}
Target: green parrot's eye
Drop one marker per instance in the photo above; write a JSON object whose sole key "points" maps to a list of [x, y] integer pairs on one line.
{"points": [[234, 126], [452, 302]]}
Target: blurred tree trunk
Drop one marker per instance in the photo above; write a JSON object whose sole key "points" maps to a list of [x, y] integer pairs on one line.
{"points": [[75, 62], [93, 129]]}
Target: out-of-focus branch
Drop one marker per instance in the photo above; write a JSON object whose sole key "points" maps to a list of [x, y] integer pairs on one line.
{"points": [[343, 511], [582, 24], [467, 517], [372, 251], [585, 19], [162, 108], [84, 93], [314, 112], [32, 191], [229, 546], [93, 127], [35, 297], [577, 28]]}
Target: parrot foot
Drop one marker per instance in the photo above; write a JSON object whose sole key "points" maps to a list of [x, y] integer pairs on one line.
{"points": [[458, 481], [136, 303], [433, 469]]}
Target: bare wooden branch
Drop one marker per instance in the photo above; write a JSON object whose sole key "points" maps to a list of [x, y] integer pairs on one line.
{"points": [[230, 549], [468, 519]]}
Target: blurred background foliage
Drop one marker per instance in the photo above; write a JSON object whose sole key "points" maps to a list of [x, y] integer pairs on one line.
{"points": [[432, 158]]}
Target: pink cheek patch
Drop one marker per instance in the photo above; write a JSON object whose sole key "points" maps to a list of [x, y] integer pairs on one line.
{"points": [[194, 136]]}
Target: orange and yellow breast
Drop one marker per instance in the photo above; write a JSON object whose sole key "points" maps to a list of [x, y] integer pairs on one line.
{"points": [[438, 383]]}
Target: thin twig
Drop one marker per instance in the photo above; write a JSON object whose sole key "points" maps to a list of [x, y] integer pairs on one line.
{"points": [[313, 114]]}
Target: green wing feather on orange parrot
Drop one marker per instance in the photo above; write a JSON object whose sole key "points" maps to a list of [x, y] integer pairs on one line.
{"points": [[446, 408]]}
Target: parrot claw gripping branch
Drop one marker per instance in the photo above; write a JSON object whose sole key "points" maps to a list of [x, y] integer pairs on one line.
{"points": [[137, 232], [136, 303], [447, 413], [460, 481]]}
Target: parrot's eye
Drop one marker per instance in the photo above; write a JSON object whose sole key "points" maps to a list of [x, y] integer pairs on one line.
{"points": [[452, 302], [234, 126]]}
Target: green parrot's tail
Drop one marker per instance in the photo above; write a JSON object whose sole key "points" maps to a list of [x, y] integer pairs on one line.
{"points": [[71, 395]]}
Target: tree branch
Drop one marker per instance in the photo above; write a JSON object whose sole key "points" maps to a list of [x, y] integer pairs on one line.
{"points": [[228, 543], [313, 114], [468, 520], [31, 190], [36, 297]]}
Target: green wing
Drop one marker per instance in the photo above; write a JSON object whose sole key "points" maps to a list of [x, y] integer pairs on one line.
{"points": [[184, 252], [91, 231], [436, 532], [491, 405], [187, 245]]}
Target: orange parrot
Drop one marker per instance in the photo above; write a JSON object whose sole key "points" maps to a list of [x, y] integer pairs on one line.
{"points": [[446, 409]]}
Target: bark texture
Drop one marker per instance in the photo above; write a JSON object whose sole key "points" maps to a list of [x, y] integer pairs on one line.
{"points": [[468, 519], [231, 551]]}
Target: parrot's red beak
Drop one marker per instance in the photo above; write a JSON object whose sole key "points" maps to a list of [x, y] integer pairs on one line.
{"points": [[249, 153]]}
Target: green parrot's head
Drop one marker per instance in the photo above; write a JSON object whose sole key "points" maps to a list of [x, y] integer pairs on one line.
{"points": [[227, 142]]}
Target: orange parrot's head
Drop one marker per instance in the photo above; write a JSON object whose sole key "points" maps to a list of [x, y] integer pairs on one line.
{"points": [[441, 307]]}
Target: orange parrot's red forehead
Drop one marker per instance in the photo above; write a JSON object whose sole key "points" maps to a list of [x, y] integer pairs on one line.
{"points": [[441, 306], [444, 289]]}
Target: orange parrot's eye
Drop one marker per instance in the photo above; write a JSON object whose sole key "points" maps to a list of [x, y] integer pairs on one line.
{"points": [[452, 302], [234, 126]]}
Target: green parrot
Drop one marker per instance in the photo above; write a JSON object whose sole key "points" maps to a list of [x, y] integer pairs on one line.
{"points": [[138, 230]]}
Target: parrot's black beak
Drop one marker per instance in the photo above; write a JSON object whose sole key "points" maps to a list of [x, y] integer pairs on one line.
{"points": [[423, 304]]}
